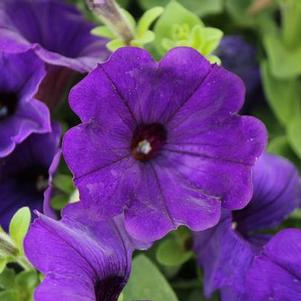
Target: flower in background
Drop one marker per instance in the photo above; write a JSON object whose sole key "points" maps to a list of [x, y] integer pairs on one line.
{"points": [[227, 250], [20, 114], [58, 34], [56, 31], [162, 142], [24, 174], [240, 57], [275, 273], [82, 256]]}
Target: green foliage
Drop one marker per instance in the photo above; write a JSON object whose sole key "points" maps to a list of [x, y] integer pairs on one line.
{"points": [[18, 287], [200, 7], [141, 30], [147, 283], [175, 249], [19, 226], [180, 27]]}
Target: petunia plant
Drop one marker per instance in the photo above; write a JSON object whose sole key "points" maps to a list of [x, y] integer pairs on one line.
{"points": [[134, 163]]}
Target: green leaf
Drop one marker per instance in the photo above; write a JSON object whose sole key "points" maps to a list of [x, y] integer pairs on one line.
{"points": [[115, 44], [9, 295], [200, 7], [284, 62], [171, 253], [3, 262], [147, 283], [103, 31], [294, 136], [59, 201], [174, 14], [7, 279], [27, 280], [64, 183], [147, 19], [283, 96], [19, 226]]}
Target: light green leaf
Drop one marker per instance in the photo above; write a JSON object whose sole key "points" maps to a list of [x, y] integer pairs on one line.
{"points": [[174, 14], [283, 62], [103, 31], [283, 96], [7, 279], [115, 44], [64, 183], [200, 7], [171, 253], [3, 262], [294, 136], [147, 283], [19, 226], [9, 295], [147, 19]]}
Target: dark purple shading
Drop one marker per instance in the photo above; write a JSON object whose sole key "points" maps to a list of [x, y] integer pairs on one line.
{"points": [[20, 113], [25, 173]]}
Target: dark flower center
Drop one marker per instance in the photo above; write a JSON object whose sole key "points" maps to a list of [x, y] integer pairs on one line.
{"points": [[34, 178], [108, 289], [148, 140], [8, 104]]}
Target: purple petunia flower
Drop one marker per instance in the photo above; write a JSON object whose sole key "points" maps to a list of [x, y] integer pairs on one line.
{"points": [[162, 141], [25, 174], [275, 274], [239, 57], [56, 31], [20, 114], [227, 250], [58, 34], [82, 256]]}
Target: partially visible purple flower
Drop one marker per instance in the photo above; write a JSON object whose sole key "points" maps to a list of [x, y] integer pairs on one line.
{"points": [[275, 274], [25, 174], [20, 113], [227, 250], [56, 31], [240, 57], [162, 142], [83, 257]]}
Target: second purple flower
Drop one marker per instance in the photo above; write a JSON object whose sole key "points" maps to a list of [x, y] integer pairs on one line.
{"points": [[162, 141]]}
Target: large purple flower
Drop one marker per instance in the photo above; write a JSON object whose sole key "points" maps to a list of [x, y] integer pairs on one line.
{"points": [[227, 250], [82, 256], [275, 273], [20, 114], [162, 141], [56, 31], [24, 174]]}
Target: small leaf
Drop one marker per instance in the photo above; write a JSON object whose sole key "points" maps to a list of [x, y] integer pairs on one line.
{"points": [[27, 279], [283, 96], [115, 44], [64, 183], [7, 279], [147, 19], [3, 262], [19, 226], [174, 14], [199, 7], [147, 283], [103, 31], [284, 62], [9, 295], [171, 253], [294, 135]]}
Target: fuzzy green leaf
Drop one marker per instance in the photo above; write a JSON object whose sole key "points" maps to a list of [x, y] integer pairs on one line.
{"points": [[147, 283], [19, 226]]}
